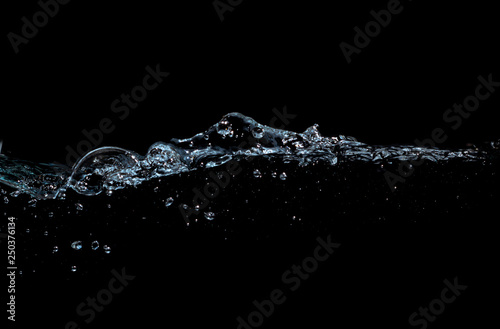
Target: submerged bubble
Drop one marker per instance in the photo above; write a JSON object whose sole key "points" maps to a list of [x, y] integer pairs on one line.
{"points": [[73, 268], [257, 173], [94, 245], [209, 215], [55, 249], [77, 245], [79, 206], [169, 202], [106, 249], [258, 132], [283, 176]]}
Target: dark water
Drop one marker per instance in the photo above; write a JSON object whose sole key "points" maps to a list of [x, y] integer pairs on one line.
{"points": [[210, 223]]}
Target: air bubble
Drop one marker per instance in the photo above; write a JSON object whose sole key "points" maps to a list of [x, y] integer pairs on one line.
{"points": [[283, 176], [209, 215], [257, 173], [169, 202], [106, 249], [94, 245], [77, 245], [79, 206], [258, 132]]}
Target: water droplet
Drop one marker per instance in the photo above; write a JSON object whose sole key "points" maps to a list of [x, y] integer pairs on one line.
{"points": [[106, 249], [73, 268], [95, 245], [51, 214], [5, 200], [156, 189], [55, 249], [46, 233], [77, 245], [209, 215], [258, 132], [169, 202], [283, 176], [27, 230], [274, 174], [257, 173], [79, 206]]}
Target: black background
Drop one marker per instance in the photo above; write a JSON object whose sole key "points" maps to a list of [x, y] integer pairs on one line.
{"points": [[264, 55]]}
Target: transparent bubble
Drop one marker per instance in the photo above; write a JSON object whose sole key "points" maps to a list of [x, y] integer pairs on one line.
{"points": [[77, 245], [274, 174], [169, 202], [55, 249], [94, 245], [257, 173], [209, 215], [73, 268], [106, 249], [79, 206], [283, 176], [258, 132]]}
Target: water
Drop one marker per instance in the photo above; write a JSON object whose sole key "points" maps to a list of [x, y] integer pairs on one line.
{"points": [[237, 180], [234, 137]]}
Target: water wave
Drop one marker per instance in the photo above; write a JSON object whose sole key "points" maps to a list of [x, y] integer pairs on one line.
{"points": [[234, 137]]}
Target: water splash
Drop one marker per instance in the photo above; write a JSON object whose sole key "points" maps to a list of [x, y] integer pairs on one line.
{"points": [[235, 136]]}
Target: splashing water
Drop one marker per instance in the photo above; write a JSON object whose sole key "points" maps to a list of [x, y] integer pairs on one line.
{"points": [[235, 136]]}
